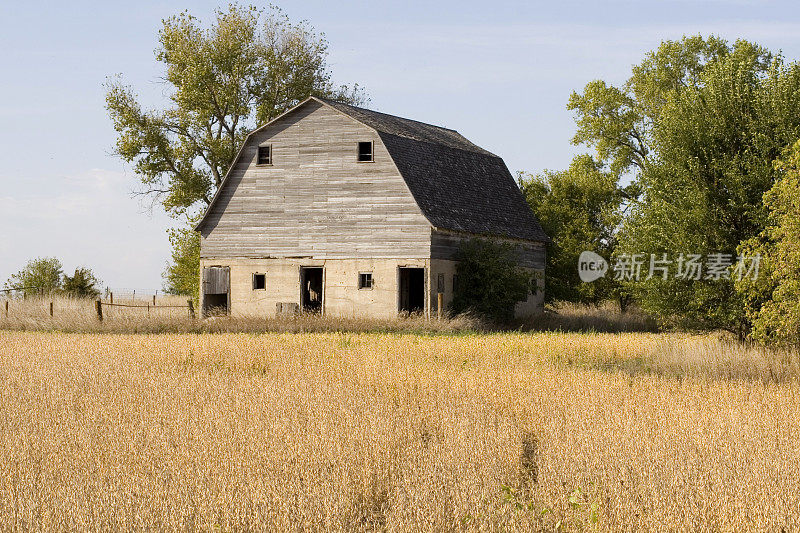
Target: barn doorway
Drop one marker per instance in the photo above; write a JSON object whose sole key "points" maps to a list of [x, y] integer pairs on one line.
{"points": [[412, 290], [216, 291], [311, 289]]}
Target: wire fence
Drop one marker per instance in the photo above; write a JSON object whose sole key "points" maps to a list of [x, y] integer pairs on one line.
{"points": [[40, 290], [32, 305], [128, 293], [100, 304], [146, 306]]}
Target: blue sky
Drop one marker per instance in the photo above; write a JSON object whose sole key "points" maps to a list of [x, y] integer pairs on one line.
{"points": [[499, 72]]}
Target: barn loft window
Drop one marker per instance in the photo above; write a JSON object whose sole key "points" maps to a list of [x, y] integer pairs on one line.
{"points": [[365, 280], [259, 282], [365, 152], [264, 155]]}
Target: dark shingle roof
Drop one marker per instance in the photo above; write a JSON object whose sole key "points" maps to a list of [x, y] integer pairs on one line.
{"points": [[458, 185]]}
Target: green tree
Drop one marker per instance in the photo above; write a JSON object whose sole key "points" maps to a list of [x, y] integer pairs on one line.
{"points": [[82, 284], [772, 301], [698, 123], [580, 209], [489, 281], [247, 68], [41, 274], [619, 121], [182, 276], [703, 190]]}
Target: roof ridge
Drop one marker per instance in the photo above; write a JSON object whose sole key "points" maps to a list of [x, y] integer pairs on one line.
{"points": [[339, 102], [404, 127]]}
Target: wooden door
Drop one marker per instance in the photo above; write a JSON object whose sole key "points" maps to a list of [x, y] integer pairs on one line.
{"points": [[216, 290]]}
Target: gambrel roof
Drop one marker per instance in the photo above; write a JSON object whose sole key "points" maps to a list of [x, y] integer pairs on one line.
{"points": [[458, 185]]}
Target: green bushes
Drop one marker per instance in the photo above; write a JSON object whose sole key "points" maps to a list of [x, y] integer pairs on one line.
{"points": [[490, 282], [45, 275]]}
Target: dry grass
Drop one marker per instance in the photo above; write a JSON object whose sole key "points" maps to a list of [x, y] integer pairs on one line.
{"points": [[74, 315], [503, 432], [605, 317]]}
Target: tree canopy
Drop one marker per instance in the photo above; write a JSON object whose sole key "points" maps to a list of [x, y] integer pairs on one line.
{"points": [[695, 130], [82, 284], [40, 274], [580, 209], [619, 121], [772, 302], [716, 142], [246, 68]]}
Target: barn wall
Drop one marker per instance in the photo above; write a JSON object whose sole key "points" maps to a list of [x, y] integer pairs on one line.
{"points": [[342, 297], [315, 200]]}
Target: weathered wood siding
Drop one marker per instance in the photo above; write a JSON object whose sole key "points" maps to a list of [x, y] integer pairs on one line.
{"points": [[315, 200], [216, 280], [444, 245]]}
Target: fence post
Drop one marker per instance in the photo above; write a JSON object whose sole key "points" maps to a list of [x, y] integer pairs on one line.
{"points": [[439, 302], [6, 308], [189, 302], [99, 306], [51, 309], [112, 297], [148, 309], [154, 300]]}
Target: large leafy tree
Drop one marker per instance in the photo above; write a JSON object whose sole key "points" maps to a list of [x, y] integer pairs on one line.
{"points": [[619, 121], [580, 209], [699, 123], [583, 206], [42, 274], [247, 67], [703, 193]]}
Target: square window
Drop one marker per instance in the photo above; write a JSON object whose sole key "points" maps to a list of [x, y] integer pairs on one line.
{"points": [[365, 152], [259, 282], [264, 155], [365, 280]]}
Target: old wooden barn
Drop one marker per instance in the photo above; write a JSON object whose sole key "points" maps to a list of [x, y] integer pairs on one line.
{"points": [[347, 211]]}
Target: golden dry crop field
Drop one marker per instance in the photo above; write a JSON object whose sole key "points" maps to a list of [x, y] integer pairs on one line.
{"points": [[396, 432]]}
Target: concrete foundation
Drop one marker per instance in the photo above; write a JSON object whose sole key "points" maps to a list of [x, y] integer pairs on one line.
{"points": [[341, 295]]}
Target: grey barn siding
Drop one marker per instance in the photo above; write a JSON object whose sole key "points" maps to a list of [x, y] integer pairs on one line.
{"points": [[445, 244], [458, 185], [216, 280], [315, 199]]}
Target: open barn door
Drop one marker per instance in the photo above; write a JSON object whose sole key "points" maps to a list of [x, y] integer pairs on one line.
{"points": [[216, 291], [412, 290], [312, 288]]}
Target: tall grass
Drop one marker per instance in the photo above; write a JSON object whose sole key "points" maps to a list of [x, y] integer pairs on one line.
{"points": [[370, 432], [77, 315], [605, 317]]}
